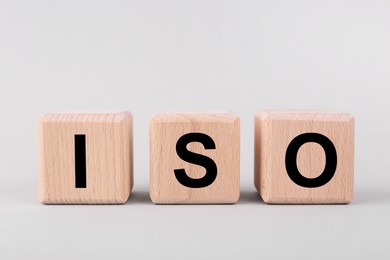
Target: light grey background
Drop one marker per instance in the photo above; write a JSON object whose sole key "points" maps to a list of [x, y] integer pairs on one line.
{"points": [[145, 56]]}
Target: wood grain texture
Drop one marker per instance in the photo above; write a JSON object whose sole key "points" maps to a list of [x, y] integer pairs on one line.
{"points": [[274, 130], [166, 129], [109, 157]]}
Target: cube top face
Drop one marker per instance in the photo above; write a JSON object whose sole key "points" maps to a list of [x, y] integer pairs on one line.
{"points": [[307, 133], [201, 129], [305, 115], [106, 158], [86, 117], [195, 117]]}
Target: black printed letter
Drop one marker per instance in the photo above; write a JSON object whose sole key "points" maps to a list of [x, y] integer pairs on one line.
{"points": [[291, 160], [80, 161], [206, 162]]}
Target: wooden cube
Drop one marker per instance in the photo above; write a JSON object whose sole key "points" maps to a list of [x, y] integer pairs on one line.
{"points": [[194, 158], [304, 157], [85, 158]]}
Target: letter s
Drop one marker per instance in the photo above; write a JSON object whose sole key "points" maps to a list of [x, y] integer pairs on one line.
{"points": [[188, 156]]}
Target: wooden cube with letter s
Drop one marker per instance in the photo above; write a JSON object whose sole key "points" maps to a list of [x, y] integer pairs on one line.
{"points": [[194, 158], [304, 157]]}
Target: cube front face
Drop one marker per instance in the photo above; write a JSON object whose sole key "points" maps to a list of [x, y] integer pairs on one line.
{"points": [[194, 158], [284, 140], [85, 158]]}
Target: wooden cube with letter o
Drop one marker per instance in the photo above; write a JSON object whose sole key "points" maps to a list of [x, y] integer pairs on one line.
{"points": [[304, 157], [194, 158]]}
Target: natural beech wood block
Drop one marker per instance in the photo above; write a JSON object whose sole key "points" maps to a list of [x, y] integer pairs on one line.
{"points": [[85, 158], [194, 158], [304, 157]]}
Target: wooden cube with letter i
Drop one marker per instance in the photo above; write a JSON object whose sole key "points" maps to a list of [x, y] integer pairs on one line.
{"points": [[304, 157], [194, 158], [85, 158]]}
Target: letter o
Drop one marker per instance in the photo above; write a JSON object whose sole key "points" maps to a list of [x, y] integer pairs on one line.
{"points": [[291, 160]]}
